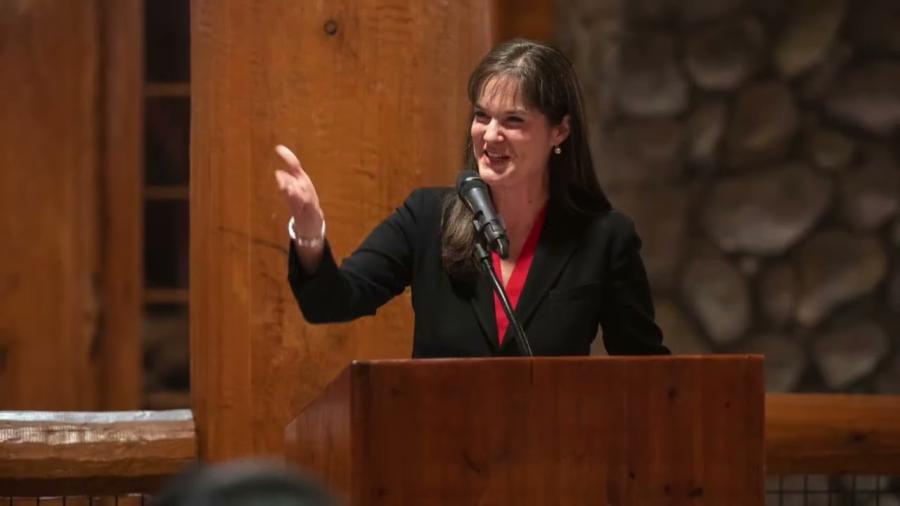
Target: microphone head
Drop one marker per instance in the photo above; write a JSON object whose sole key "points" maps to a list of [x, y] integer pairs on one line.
{"points": [[467, 180], [476, 195]]}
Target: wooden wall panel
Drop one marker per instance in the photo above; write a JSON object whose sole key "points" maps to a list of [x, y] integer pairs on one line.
{"points": [[48, 193], [371, 96], [531, 19], [119, 369], [68, 266]]}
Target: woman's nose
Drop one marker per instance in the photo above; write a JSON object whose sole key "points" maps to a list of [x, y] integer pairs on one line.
{"points": [[492, 131]]}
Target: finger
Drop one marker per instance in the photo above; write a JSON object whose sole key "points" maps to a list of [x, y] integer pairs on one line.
{"points": [[284, 179], [289, 158], [303, 191], [290, 185]]}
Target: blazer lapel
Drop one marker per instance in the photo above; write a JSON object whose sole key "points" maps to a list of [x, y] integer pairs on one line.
{"points": [[555, 247], [482, 301]]}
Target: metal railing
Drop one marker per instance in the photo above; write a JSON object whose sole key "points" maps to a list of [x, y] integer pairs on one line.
{"points": [[76, 500], [821, 490]]}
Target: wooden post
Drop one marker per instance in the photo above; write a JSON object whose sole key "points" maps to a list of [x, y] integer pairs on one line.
{"points": [[48, 139], [119, 369], [70, 145], [371, 96], [70, 157], [530, 19]]}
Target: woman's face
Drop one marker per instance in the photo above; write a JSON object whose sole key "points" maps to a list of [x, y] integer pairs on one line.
{"points": [[511, 141]]}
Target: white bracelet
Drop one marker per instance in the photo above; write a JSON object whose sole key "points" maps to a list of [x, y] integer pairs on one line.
{"points": [[306, 242]]}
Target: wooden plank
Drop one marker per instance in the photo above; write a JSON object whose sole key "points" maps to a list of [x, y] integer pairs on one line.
{"points": [[371, 96], [530, 19], [118, 368], [74, 292], [833, 434], [101, 453], [49, 219]]}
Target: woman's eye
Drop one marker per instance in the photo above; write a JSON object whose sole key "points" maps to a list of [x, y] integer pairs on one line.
{"points": [[515, 119]]}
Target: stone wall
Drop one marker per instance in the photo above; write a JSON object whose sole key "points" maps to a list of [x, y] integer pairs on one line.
{"points": [[755, 144]]}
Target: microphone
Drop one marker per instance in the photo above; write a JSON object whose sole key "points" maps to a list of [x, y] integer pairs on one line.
{"points": [[475, 193], [489, 226]]}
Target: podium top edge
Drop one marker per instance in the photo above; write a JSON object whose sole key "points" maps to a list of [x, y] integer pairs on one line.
{"points": [[718, 358]]}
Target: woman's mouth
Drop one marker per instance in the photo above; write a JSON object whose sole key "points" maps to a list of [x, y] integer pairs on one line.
{"points": [[492, 158]]}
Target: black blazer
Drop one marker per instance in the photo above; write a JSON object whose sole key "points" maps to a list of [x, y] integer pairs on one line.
{"points": [[585, 272]]}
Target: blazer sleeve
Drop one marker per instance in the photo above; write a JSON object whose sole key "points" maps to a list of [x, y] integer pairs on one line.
{"points": [[627, 317], [376, 272]]}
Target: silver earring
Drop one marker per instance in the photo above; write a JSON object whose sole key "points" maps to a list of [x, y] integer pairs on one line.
{"points": [[557, 150]]}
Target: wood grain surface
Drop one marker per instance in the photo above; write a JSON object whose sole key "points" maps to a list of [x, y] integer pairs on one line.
{"points": [[70, 269], [371, 96], [618, 431], [103, 453], [530, 19], [48, 193], [833, 434], [119, 367]]}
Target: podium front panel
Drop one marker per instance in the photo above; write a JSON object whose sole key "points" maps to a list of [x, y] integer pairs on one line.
{"points": [[618, 431]]}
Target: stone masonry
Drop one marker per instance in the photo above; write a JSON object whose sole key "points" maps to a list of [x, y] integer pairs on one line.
{"points": [[755, 144]]}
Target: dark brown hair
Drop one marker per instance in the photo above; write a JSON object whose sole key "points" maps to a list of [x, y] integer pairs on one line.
{"points": [[549, 85]]}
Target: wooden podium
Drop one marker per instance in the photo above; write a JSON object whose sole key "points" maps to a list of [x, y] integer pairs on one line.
{"points": [[546, 431]]}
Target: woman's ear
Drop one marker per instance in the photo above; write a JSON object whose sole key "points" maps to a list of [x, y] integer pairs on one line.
{"points": [[561, 131]]}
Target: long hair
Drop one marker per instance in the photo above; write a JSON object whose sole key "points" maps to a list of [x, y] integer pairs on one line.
{"points": [[548, 84]]}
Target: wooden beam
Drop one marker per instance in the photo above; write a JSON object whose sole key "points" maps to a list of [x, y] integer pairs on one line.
{"points": [[50, 262], [118, 368], [371, 96], [103, 453], [71, 269], [832, 434], [530, 19]]}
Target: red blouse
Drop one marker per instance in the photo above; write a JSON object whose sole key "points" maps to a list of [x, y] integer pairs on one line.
{"points": [[520, 272]]}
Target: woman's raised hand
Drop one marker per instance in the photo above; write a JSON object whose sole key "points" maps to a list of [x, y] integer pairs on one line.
{"points": [[300, 194]]}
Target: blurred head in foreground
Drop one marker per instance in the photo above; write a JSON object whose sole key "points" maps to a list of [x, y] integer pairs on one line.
{"points": [[243, 483]]}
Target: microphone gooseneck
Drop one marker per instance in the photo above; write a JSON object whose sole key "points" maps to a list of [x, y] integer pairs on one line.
{"points": [[490, 234]]}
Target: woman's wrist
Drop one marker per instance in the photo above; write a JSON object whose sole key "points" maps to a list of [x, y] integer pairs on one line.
{"points": [[306, 241]]}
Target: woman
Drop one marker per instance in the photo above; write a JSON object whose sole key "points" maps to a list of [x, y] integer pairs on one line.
{"points": [[574, 262]]}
